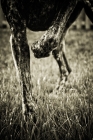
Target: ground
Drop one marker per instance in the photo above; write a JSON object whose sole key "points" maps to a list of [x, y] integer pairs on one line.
{"points": [[66, 114]]}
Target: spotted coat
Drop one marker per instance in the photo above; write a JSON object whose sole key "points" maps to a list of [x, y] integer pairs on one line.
{"points": [[54, 16]]}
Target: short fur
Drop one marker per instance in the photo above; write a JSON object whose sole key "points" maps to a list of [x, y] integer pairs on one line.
{"points": [[54, 16]]}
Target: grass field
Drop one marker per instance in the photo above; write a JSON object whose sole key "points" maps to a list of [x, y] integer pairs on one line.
{"points": [[66, 114]]}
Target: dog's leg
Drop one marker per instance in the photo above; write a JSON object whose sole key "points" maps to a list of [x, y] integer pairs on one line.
{"points": [[88, 7], [59, 52], [53, 36], [64, 68], [21, 53]]}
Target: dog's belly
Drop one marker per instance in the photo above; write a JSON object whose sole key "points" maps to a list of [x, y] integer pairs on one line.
{"points": [[40, 15], [41, 23]]}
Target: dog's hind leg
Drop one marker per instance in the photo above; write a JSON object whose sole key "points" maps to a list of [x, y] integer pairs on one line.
{"points": [[60, 57], [88, 7], [59, 52]]}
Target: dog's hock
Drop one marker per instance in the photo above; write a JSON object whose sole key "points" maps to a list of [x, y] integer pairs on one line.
{"points": [[47, 43]]}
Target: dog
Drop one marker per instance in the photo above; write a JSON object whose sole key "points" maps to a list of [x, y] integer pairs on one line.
{"points": [[54, 17]]}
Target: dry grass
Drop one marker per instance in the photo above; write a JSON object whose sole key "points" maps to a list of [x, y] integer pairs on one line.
{"points": [[63, 115]]}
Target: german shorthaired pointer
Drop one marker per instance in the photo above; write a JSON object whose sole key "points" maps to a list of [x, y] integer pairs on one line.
{"points": [[54, 16]]}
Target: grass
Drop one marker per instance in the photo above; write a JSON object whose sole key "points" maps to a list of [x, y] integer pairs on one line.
{"points": [[63, 115]]}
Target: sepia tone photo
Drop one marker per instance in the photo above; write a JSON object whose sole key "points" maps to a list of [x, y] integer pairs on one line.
{"points": [[46, 70]]}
